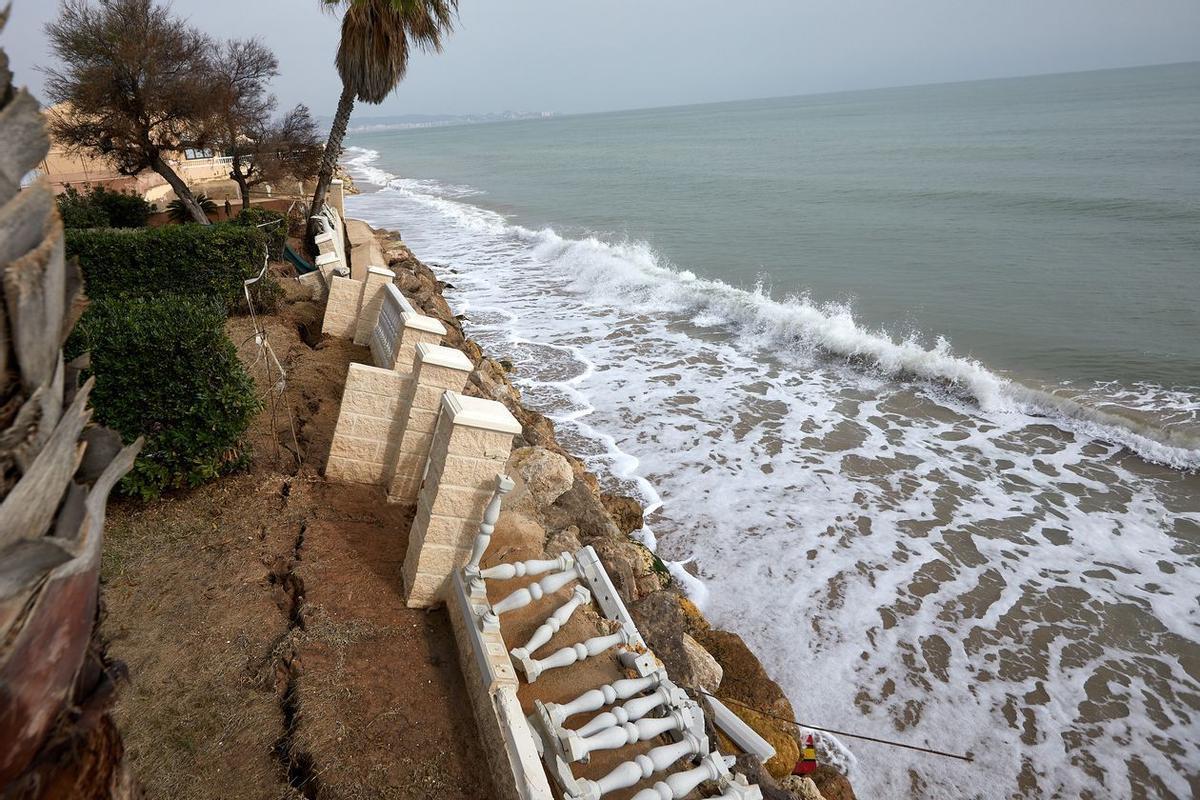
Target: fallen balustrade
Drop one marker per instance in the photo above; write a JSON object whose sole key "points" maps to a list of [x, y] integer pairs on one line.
{"points": [[650, 706]]}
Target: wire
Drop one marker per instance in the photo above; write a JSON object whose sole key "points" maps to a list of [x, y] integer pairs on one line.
{"points": [[968, 757]]}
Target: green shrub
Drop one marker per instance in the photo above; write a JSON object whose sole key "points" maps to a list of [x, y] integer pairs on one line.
{"points": [[166, 370], [206, 260], [77, 210], [102, 208], [124, 210], [262, 218]]}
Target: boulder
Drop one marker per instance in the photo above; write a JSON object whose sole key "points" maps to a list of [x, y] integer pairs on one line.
{"points": [[832, 784], [749, 766], [745, 679], [547, 475], [801, 786], [625, 512], [706, 673], [564, 541], [580, 507], [778, 734], [660, 620]]}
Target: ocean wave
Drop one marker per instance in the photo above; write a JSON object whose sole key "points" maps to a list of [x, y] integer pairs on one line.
{"points": [[633, 275]]}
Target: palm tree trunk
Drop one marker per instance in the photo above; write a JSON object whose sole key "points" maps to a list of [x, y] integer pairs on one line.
{"points": [[159, 165], [333, 147]]}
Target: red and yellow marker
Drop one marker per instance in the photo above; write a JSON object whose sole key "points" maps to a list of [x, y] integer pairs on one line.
{"points": [[808, 758]]}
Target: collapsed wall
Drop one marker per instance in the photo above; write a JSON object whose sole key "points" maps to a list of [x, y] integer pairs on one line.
{"points": [[673, 626]]}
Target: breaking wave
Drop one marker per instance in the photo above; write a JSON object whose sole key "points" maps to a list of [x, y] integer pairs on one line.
{"points": [[635, 275]]}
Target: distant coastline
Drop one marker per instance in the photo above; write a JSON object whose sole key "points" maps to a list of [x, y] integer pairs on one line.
{"points": [[409, 121]]}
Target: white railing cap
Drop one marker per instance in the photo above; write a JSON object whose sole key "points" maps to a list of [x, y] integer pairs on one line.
{"points": [[327, 258], [400, 300], [475, 412], [423, 323], [383, 271], [440, 356]]}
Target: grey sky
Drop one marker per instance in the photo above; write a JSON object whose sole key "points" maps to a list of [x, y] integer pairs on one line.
{"points": [[570, 56]]}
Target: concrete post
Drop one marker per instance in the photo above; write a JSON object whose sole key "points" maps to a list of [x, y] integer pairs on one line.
{"points": [[341, 307], [365, 436], [336, 196], [470, 447], [436, 371], [370, 301], [416, 329]]}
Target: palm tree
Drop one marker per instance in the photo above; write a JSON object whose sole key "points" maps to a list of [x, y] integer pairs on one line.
{"points": [[373, 57]]}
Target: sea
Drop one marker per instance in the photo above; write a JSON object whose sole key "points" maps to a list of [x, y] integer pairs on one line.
{"points": [[907, 379]]}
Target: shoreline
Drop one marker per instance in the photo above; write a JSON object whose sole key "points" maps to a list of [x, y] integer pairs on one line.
{"points": [[673, 625]]}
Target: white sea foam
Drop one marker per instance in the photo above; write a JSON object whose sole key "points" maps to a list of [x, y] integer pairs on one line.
{"points": [[632, 273], [897, 531]]}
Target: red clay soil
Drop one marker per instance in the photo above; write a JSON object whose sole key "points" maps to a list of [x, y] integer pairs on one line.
{"points": [[269, 652]]}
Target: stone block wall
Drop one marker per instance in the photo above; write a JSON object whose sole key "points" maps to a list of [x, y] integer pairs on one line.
{"points": [[341, 309], [364, 441], [469, 448], [436, 370], [512, 756]]}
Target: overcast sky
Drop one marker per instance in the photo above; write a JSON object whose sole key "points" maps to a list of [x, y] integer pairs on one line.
{"points": [[571, 56]]}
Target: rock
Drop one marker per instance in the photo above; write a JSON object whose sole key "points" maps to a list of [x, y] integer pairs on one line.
{"points": [[778, 734], [745, 679], [695, 621], [579, 507], [619, 565], [547, 475], [564, 541], [749, 766], [832, 784], [660, 620], [490, 378], [801, 786], [706, 672], [625, 512]]}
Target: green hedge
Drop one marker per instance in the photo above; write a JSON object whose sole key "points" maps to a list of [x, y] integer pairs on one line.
{"points": [[206, 260], [166, 370]]}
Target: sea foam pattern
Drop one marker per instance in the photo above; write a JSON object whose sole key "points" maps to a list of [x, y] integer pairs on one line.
{"points": [[917, 546]]}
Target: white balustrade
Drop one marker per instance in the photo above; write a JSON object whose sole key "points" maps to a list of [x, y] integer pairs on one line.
{"points": [[631, 711], [567, 656], [595, 699], [523, 597], [641, 767], [553, 623], [580, 748], [680, 784], [521, 569], [483, 538]]}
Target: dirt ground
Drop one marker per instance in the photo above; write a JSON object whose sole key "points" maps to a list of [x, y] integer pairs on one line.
{"points": [[269, 653]]}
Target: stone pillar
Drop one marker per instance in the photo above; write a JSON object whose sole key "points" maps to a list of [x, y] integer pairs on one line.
{"points": [[336, 196], [416, 329], [470, 447], [436, 370], [364, 440], [370, 301], [341, 309]]}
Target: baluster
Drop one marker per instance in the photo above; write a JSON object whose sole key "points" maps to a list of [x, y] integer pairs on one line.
{"points": [[504, 485], [632, 711], [535, 566], [523, 597], [552, 624], [580, 748], [567, 656], [680, 784], [595, 699], [640, 767]]}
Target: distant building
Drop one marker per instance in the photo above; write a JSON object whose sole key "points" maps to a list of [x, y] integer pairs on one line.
{"points": [[64, 169]]}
